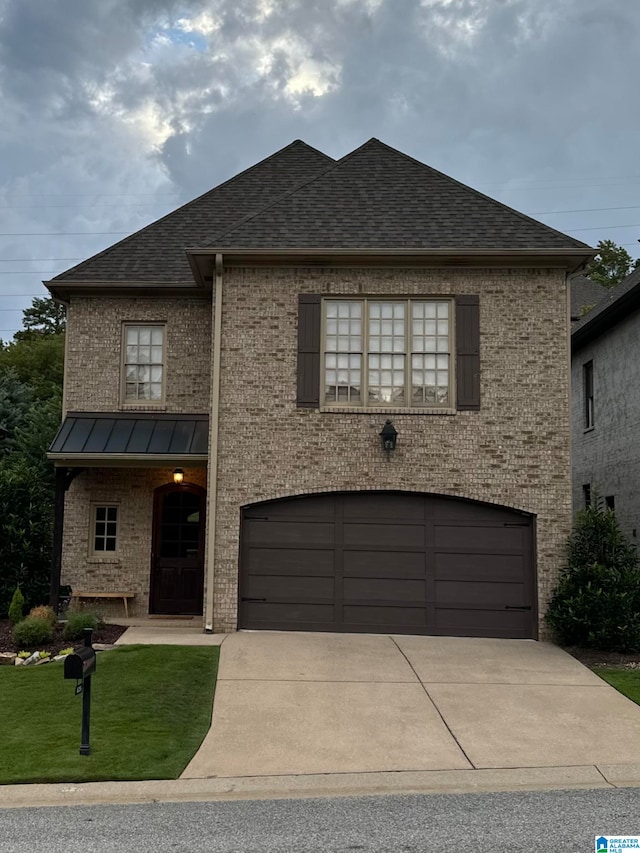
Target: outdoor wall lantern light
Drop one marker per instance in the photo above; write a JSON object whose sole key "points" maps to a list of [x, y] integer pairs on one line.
{"points": [[178, 476], [389, 436]]}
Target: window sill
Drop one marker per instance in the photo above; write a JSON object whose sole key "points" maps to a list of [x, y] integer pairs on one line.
{"points": [[144, 407], [384, 410], [589, 429], [101, 560]]}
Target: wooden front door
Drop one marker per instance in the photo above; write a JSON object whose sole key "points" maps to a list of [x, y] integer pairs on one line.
{"points": [[177, 559]]}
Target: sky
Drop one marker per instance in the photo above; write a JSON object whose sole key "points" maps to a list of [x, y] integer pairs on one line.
{"points": [[114, 113]]}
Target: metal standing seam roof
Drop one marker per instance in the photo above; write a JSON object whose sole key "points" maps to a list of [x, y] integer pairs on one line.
{"points": [[121, 433]]}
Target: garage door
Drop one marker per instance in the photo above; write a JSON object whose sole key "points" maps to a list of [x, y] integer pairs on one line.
{"points": [[387, 562]]}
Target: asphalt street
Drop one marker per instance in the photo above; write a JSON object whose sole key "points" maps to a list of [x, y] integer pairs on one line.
{"points": [[545, 822]]}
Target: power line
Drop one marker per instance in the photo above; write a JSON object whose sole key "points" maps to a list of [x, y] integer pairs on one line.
{"points": [[19, 260], [59, 233]]}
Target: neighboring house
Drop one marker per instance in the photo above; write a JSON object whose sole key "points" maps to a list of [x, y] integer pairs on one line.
{"points": [[585, 295], [258, 339], [605, 347]]}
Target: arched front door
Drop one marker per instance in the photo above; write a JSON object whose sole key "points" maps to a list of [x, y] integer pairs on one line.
{"points": [[177, 559]]}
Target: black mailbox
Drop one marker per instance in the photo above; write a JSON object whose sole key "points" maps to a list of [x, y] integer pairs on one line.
{"points": [[80, 663]]}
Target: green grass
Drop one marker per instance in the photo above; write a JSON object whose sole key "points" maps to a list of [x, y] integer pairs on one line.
{"points": [[627, 681], [150, 709]]}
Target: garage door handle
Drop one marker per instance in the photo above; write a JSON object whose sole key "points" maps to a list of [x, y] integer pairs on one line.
{"points": [[513, 607], [252, 599]]}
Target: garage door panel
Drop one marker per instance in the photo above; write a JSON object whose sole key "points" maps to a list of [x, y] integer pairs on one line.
{"points": [[378, 589], [384, 535], [503, 623], [385, 617], [290, 613], [470, 567], [290, 588], [446, 510], [318, 506], [495, 540], [292, 561], [384, 564], [377, 505], [284, 533], [473, 594]]}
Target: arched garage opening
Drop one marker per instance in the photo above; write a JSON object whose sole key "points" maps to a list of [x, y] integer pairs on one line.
{"points": [[388, 562]]}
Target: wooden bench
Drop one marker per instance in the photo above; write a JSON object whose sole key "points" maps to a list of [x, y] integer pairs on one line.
{"points": [[123, 595]]}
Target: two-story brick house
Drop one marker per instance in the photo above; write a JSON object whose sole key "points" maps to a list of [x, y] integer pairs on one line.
{"points": [[258, 339]]}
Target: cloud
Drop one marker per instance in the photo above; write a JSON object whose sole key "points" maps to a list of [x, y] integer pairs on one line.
{"points": [[109, 106]]}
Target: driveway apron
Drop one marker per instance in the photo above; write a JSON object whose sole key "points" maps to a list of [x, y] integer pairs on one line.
{"points": [[302, 703]]}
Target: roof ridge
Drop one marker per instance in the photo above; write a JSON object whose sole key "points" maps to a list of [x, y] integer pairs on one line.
{"points": [[302, 186], [470, 189], [244, 172]]}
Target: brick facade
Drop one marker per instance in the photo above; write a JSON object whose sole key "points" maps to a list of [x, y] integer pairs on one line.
{"points": [[514, 451]]}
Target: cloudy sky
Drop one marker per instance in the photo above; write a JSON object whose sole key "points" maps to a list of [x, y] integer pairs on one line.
{"points": [[113, 113]]}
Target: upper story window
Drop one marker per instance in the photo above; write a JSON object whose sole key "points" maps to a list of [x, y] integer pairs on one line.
{"points": [[144, 356], [387, 352], [587, 386]]}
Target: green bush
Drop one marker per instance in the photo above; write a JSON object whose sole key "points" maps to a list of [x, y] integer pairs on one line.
{"points": [[16, 608], [31, 633], [597, 601], [77, 622], [44, 612]]}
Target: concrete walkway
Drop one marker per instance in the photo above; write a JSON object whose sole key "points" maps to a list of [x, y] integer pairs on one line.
{"points": [[294, 703]]}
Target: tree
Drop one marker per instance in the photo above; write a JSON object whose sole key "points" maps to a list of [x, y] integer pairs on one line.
{"points": [[597, 601], [31, 372], [45, 317], [611, 264]]}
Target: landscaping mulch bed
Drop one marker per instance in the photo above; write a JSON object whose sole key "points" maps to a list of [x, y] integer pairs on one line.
{"points": [[107, 634], [592, 657]]}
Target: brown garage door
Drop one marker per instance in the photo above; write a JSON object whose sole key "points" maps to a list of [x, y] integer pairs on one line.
{"points": [[387, 562]]}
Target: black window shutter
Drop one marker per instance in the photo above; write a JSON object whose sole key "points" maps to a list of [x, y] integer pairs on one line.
{"points": [[468, 352], [309, 350]]}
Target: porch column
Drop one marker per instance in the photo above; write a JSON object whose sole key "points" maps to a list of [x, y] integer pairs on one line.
{"points": [[64, 478]]}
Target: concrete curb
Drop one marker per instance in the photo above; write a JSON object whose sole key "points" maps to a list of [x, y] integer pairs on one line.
{"points": [[321, 785]]}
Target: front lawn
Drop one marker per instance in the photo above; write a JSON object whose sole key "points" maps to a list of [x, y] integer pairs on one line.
{"points": [[627, 681], [150, 709]]}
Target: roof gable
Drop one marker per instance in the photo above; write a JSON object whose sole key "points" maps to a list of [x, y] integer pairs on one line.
{"points": [[157, 252], [377, 197], [616, 305]]}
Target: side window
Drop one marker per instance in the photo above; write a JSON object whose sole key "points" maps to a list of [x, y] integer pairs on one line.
{"points": [[104, 529], [143, 363], [587, 387]]}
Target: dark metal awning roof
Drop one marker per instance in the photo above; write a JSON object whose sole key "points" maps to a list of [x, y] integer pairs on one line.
{"points": [[128, 438]]}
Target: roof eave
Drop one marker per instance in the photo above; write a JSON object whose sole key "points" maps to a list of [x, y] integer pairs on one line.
{"points": [[63, 290], [605, 319], [571, 259], [128, 460]]}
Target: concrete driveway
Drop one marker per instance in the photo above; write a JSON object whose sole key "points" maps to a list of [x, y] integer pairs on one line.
{"points": [[290, 703]]}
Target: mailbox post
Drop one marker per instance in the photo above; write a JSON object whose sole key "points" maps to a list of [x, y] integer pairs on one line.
{"points": [[80, 665]]}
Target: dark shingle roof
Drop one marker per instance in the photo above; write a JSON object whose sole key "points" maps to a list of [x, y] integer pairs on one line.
{"points": [[157, 252], [615, 305], [377, 197], [99, 434], [585, 294]]}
